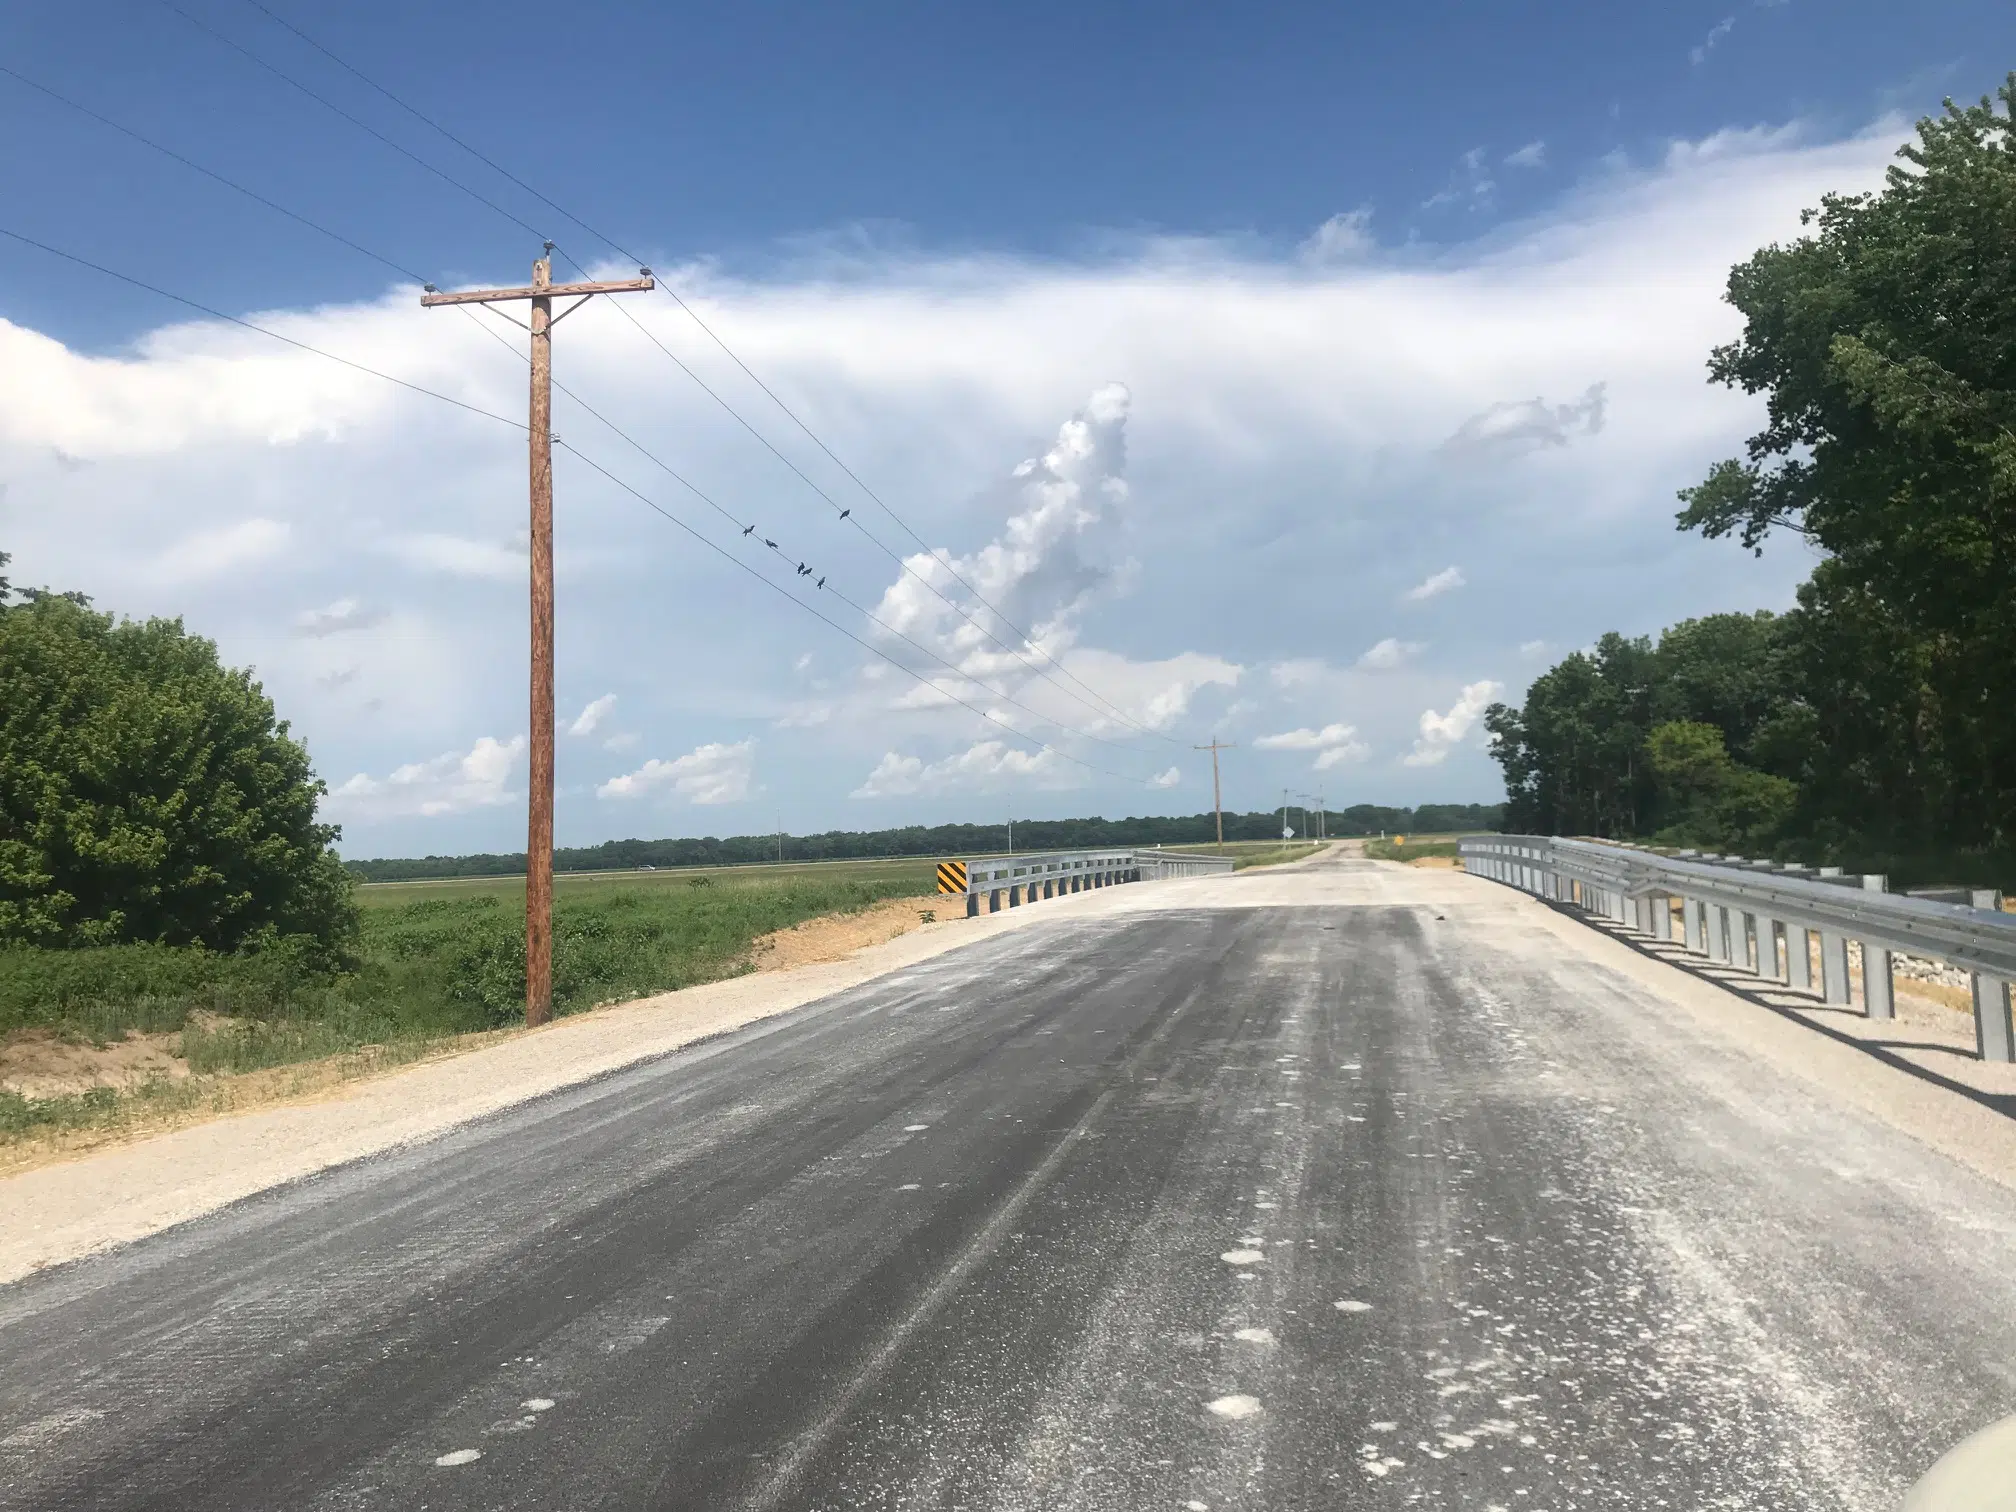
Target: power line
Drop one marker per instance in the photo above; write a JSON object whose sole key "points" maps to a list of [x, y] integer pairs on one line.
{"points": [[993, 720], [181, 299], [396, 267], [749, 531], [936, 556]]}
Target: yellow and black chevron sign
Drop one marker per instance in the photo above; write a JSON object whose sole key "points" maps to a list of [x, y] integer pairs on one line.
{"points": [[951, 876]]}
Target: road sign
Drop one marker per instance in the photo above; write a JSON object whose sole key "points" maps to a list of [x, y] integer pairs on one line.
{"points": [[951, 876], [1287, 833]]}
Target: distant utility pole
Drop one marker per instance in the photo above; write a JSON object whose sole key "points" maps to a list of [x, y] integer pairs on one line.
{"points": [[539, 803], [1011, 834], [1284, 814], [1217, 806]]}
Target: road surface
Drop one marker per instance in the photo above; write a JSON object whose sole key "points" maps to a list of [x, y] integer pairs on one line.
{"points": [[1382, 1198]]}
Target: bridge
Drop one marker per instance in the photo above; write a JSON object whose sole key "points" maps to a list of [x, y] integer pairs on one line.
{"points": [[1342, 1184]]}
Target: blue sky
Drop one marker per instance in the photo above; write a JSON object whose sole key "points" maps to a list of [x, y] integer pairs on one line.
{"points": [[1355, 353]]}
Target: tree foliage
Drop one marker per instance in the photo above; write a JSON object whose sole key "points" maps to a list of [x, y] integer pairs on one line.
{"points": [[1885, 345], [148, 794]]}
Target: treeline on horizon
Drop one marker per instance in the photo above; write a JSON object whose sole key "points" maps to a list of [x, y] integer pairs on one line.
{"points": [[1872, 726], [940, 840]]}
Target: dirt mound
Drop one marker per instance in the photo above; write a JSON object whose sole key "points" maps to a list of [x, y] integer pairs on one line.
{"points": [[42, 1063], [834, 937]]}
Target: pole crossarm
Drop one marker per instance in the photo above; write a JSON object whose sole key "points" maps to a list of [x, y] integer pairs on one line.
{"points": [[534, 291]]}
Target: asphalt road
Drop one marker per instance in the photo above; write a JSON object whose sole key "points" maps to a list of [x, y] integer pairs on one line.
{"points": [[1220, 1208]]}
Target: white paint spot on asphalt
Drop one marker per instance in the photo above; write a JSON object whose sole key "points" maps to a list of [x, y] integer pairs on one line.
{"points": [[1352, 1305], [1235, 1407], [1242, 1257], [1196, 1506], [537, 1404], [1384, 1427], [1266, 1207], [911, 1186], [1372, 1467], [1255, 1335], [915, 1128], [456, 1457]]}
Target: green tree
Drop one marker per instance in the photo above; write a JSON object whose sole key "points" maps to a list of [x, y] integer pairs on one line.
{"points": [[147, 793], [1709, 799], [1885, 344]]}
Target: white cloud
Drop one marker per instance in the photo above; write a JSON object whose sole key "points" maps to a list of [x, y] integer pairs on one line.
{"points": [[212, 553], [1445, 581], [1299, 672], [1287, 426], [1532, 648], [1341, 237], [1334, 744], [1166, 779], [1391, 652], [1532, 155], [1470, 184], [1512, 426], [714, 773], [983, 766], [627, 740], [589, 720], [458, 556], [448, 784], [344, 614], [1441, 733], [1699, 54]]}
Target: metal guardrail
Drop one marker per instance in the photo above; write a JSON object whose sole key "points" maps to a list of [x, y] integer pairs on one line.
{"points": [[1731, 906], [1015, 880]]}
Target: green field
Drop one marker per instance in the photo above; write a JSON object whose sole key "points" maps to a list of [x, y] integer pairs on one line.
{"points": [[1415, 847], [435, 960], [914, 872]]}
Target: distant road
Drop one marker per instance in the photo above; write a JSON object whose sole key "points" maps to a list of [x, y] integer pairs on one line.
{"points": [[1358, 1187]]}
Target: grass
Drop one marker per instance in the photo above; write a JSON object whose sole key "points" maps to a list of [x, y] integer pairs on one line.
{"points": [[911, 874], [437, 961]]}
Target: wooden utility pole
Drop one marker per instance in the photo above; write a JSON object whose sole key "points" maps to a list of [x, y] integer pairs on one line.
{"points": [[1217, 809], [539, 801]]}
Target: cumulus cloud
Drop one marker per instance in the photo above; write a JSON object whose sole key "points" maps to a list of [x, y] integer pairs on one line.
{"points": [[589, 720], [1532, 648], [1334, 744], [1392, 653], [344, 614], [1442, 733], [1512, 426], [1532, 155], [212, 553], [983, 766], [1446, 581], [714, 773], [1341, 237], [1166, 779], [450, 783]]}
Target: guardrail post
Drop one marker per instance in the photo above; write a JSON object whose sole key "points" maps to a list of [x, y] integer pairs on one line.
{"points": [[1799, 958], [1767, 949], [1879, 999], [972, 905], [994, 901], [1693, 926], [1833, 968], [1748, 933], [1994, 1034], [1718, 933]]}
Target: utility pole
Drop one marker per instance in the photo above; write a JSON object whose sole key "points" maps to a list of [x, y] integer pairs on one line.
{"points": [[1284, 813], [539, 800], [1217, 806], [1011, 834]]}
